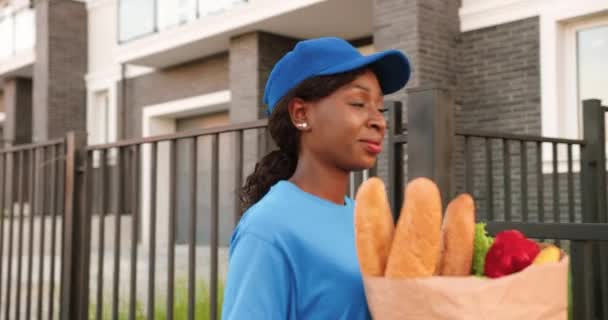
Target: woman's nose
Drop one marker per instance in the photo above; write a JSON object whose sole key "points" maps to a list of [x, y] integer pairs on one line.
{"points": [[377, 121]]}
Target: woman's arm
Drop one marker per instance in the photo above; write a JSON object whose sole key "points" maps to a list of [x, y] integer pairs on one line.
{"points": [[259, 280]]}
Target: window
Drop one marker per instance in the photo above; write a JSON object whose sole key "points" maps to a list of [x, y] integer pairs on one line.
{"points": [[25, 29], [6, 34], [130, 28], [175, 12], [159, 15], [582, 66], [17, 30], [592, 62]]}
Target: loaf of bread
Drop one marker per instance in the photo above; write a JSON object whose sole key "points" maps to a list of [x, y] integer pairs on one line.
{"points": [[374, 227], [457, 236], [415, 248]]}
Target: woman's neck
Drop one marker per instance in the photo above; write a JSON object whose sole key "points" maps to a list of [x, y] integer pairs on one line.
{"points": [[321, 180]]}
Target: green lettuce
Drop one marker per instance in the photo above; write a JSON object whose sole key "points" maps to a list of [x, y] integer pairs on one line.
{"points": [[481, 245]]}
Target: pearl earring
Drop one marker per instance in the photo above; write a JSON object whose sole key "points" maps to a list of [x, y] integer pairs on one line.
{"points": [[302, 125]]}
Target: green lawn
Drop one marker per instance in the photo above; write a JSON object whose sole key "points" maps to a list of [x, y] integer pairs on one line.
{"points": [[180, 305]]}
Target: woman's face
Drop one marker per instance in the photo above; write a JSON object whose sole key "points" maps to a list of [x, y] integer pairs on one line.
{"points": [[347, 128]]}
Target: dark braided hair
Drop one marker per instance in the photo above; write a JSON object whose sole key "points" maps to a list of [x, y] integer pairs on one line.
{"points": [[281, 164]]}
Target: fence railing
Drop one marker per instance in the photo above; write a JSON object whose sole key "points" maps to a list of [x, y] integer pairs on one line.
{"points": [[552, 189], [170, 190], [32, 220]]}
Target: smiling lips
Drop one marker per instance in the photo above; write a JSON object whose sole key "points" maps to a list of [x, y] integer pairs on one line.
{"points": [[371, 146]]}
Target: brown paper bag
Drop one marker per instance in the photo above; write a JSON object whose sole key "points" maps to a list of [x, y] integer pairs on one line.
{"points": [[539, 292]]}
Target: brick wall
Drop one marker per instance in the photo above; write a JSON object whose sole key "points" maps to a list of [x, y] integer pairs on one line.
{"points": [[500, 78], [428, 32], [252, 57], [59, 100], [494, 73], [499, 91]]}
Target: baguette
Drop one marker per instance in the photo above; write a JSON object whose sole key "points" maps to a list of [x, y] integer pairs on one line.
{"points": [[415, 248], [457, 236], [374, 227]]}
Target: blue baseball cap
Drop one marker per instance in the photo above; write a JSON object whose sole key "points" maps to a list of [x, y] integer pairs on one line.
{"points": [[327, 56]]}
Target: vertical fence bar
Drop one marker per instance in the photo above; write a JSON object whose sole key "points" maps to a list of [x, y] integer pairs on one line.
{"points": [[152, 239], [192, 232], [74, 281], [117, 226], [603, 216], [489, 184], [373, 171], [395, 157], [356, 180], [238, 173], [507, 177], [44, 170], [583, 304], [56, 176], [3, 179], [468, 164], [20, 200], [571, 214], [103, 195], [32, 210], [9, 268], [593, 195], [556, 215], [172, 218], [214, 225], [540, 183], [134, 227], [86, 206], [62, 169], [19, 231], [524, 179]]}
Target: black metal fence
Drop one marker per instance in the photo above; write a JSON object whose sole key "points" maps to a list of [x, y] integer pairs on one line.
{"points": [[32, 218], [170, 190], [551, 189], [145, 223]]}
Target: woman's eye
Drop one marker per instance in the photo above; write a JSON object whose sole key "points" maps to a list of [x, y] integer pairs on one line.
{"points": [[383, 110], [357, 104]]}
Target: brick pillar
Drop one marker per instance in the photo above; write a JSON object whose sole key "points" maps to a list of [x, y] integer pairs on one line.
{"points": [[428, 32], [61, 62], [18, 111], [252, 57]]}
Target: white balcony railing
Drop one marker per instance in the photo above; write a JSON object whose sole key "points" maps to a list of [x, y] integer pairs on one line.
{"points": [[17, 31], [139, 18]]}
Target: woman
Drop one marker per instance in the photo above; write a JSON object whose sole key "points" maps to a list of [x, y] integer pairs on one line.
{"points": [[292, 255]]}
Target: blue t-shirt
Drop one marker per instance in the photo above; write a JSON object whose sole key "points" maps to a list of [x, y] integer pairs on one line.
{"points": [[292, 256]]}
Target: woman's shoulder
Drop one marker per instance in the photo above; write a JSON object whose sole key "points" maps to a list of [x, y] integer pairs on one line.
{"points": [[262, 221], [262, 214]]}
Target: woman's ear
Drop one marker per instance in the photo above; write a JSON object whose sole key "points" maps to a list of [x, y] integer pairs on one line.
{"points": [[298, 111]]}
